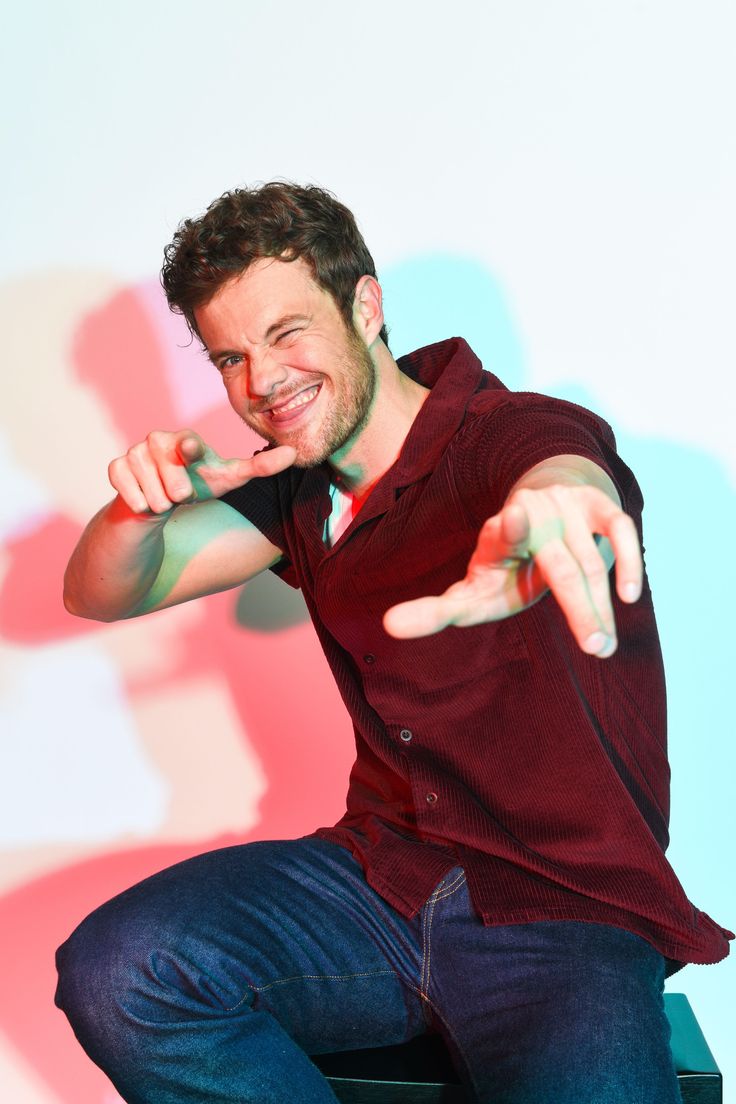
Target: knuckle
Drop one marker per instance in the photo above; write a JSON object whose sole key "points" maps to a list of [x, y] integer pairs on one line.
{"points": [[624, 521], [561, 491], [114, 468], [157, 439], [594, 568], [521, 497], [564, 572], [138, 452], [180, 491]]}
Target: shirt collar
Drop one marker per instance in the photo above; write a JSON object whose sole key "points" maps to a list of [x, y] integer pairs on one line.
{"points": [[453, 373]]}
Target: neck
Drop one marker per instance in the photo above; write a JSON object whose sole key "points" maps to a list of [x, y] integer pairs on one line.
{"points": [[366, 457]]}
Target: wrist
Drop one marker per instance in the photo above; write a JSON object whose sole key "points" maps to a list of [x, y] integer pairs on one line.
{"points": [[119, 512]]}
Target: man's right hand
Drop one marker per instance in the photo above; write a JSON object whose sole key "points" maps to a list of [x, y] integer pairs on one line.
{"points": [[124, 565], [168, 469]]}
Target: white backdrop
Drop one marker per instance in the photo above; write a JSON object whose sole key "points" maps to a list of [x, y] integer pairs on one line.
{"points": [[554, 181]]}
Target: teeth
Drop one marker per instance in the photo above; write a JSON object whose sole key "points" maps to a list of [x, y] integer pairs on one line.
{"points": [[299, 400]]}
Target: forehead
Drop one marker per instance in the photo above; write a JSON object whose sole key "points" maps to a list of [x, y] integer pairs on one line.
{"points": [[268, 289]]}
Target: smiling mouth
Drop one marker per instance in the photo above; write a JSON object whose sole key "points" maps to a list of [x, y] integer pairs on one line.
{"points": [[288, 410]]}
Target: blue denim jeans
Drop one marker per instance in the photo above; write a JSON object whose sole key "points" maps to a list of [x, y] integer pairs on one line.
{"points": [[214, 980]]}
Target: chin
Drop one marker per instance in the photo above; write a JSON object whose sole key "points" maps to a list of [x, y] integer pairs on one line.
{"points": [[307, 459]]}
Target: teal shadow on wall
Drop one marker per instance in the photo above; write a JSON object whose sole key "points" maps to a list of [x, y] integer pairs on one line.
{"points": [[432, 297]]}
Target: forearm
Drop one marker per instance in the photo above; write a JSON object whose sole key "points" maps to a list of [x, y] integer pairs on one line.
{"points": [[567, 471], [115, 563]]}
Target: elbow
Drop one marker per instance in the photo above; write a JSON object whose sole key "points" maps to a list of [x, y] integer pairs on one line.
{"points": [[73, 605], [76, 610], [71, 599]]}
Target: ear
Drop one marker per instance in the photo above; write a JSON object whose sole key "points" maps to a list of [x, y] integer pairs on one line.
{"points": [[368, 309]]}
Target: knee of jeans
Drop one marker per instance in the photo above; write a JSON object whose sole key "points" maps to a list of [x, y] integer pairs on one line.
{"points": [[139, 961], [91, 982]]}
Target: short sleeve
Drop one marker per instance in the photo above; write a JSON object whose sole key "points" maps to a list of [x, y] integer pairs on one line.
{"points": [[501, 444], [263, 502]]}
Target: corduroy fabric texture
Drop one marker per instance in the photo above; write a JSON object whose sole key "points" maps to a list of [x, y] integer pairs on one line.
{"points": [[502, 747]]}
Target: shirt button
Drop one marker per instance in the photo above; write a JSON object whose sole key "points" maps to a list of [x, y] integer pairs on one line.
{"points": [[406, 735], [431, 798], [369, 658]]}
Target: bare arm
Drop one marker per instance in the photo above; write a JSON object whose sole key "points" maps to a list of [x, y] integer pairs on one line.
{"points": [[144, 551]]}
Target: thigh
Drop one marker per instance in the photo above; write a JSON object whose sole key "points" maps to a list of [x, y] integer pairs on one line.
{"points": [[290, 928], [553, 1012]]}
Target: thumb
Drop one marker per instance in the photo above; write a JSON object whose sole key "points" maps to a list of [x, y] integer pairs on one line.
{"points": [[273, 460], [418, 617], [269, 462]]}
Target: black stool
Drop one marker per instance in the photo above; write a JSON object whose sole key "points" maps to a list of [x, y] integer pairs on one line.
{"points": [[420, 1071]]}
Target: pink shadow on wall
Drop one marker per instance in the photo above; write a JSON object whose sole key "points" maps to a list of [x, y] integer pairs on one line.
{"points": [[132, 353]]}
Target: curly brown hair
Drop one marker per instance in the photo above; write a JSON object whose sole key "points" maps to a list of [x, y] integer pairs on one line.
{"points": [[278, 219]]}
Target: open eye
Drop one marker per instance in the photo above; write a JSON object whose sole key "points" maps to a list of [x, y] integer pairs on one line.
{"points": [[231, 361]]}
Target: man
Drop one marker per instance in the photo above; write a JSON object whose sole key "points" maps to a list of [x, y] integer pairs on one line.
{"points": [[499, 874]]}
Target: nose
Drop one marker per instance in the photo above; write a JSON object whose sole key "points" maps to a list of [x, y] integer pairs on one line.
{"points": [[264, 375]]}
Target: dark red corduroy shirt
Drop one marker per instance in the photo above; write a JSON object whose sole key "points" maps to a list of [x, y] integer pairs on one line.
{"points": [[502, 747]]}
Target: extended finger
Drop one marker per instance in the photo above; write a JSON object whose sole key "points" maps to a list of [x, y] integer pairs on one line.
{"points": [[269, 462], [420, 617], [595, 571], [488, 596], [629, 563], [608, 519], [576, 574]]}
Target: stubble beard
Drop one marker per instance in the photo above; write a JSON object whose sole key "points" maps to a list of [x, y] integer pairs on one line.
{"points": [[344, 420]]}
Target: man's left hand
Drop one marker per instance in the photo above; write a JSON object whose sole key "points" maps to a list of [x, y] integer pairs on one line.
{"points": [[543, 539]]}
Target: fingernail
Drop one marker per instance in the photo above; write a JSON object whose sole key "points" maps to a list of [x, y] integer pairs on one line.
{"points": [[596, 643], [630, 592]]}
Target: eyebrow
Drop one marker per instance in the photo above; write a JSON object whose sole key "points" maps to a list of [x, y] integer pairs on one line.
{"points": [[279, 324]]}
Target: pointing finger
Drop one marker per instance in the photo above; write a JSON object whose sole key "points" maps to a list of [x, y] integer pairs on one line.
{"points": [[629, 565], [190, 447], [608, 519], [581, 591]]}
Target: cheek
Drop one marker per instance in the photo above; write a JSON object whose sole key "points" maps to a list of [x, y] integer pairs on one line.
{"points": [[299, 358], [235, 389]]}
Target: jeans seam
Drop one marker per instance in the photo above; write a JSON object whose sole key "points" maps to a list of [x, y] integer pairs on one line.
{"points": [[453, 887], [427, 947], [439, 894]]}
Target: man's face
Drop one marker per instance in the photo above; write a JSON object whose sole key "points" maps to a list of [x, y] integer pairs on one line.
{"points": [[292, 370]]}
